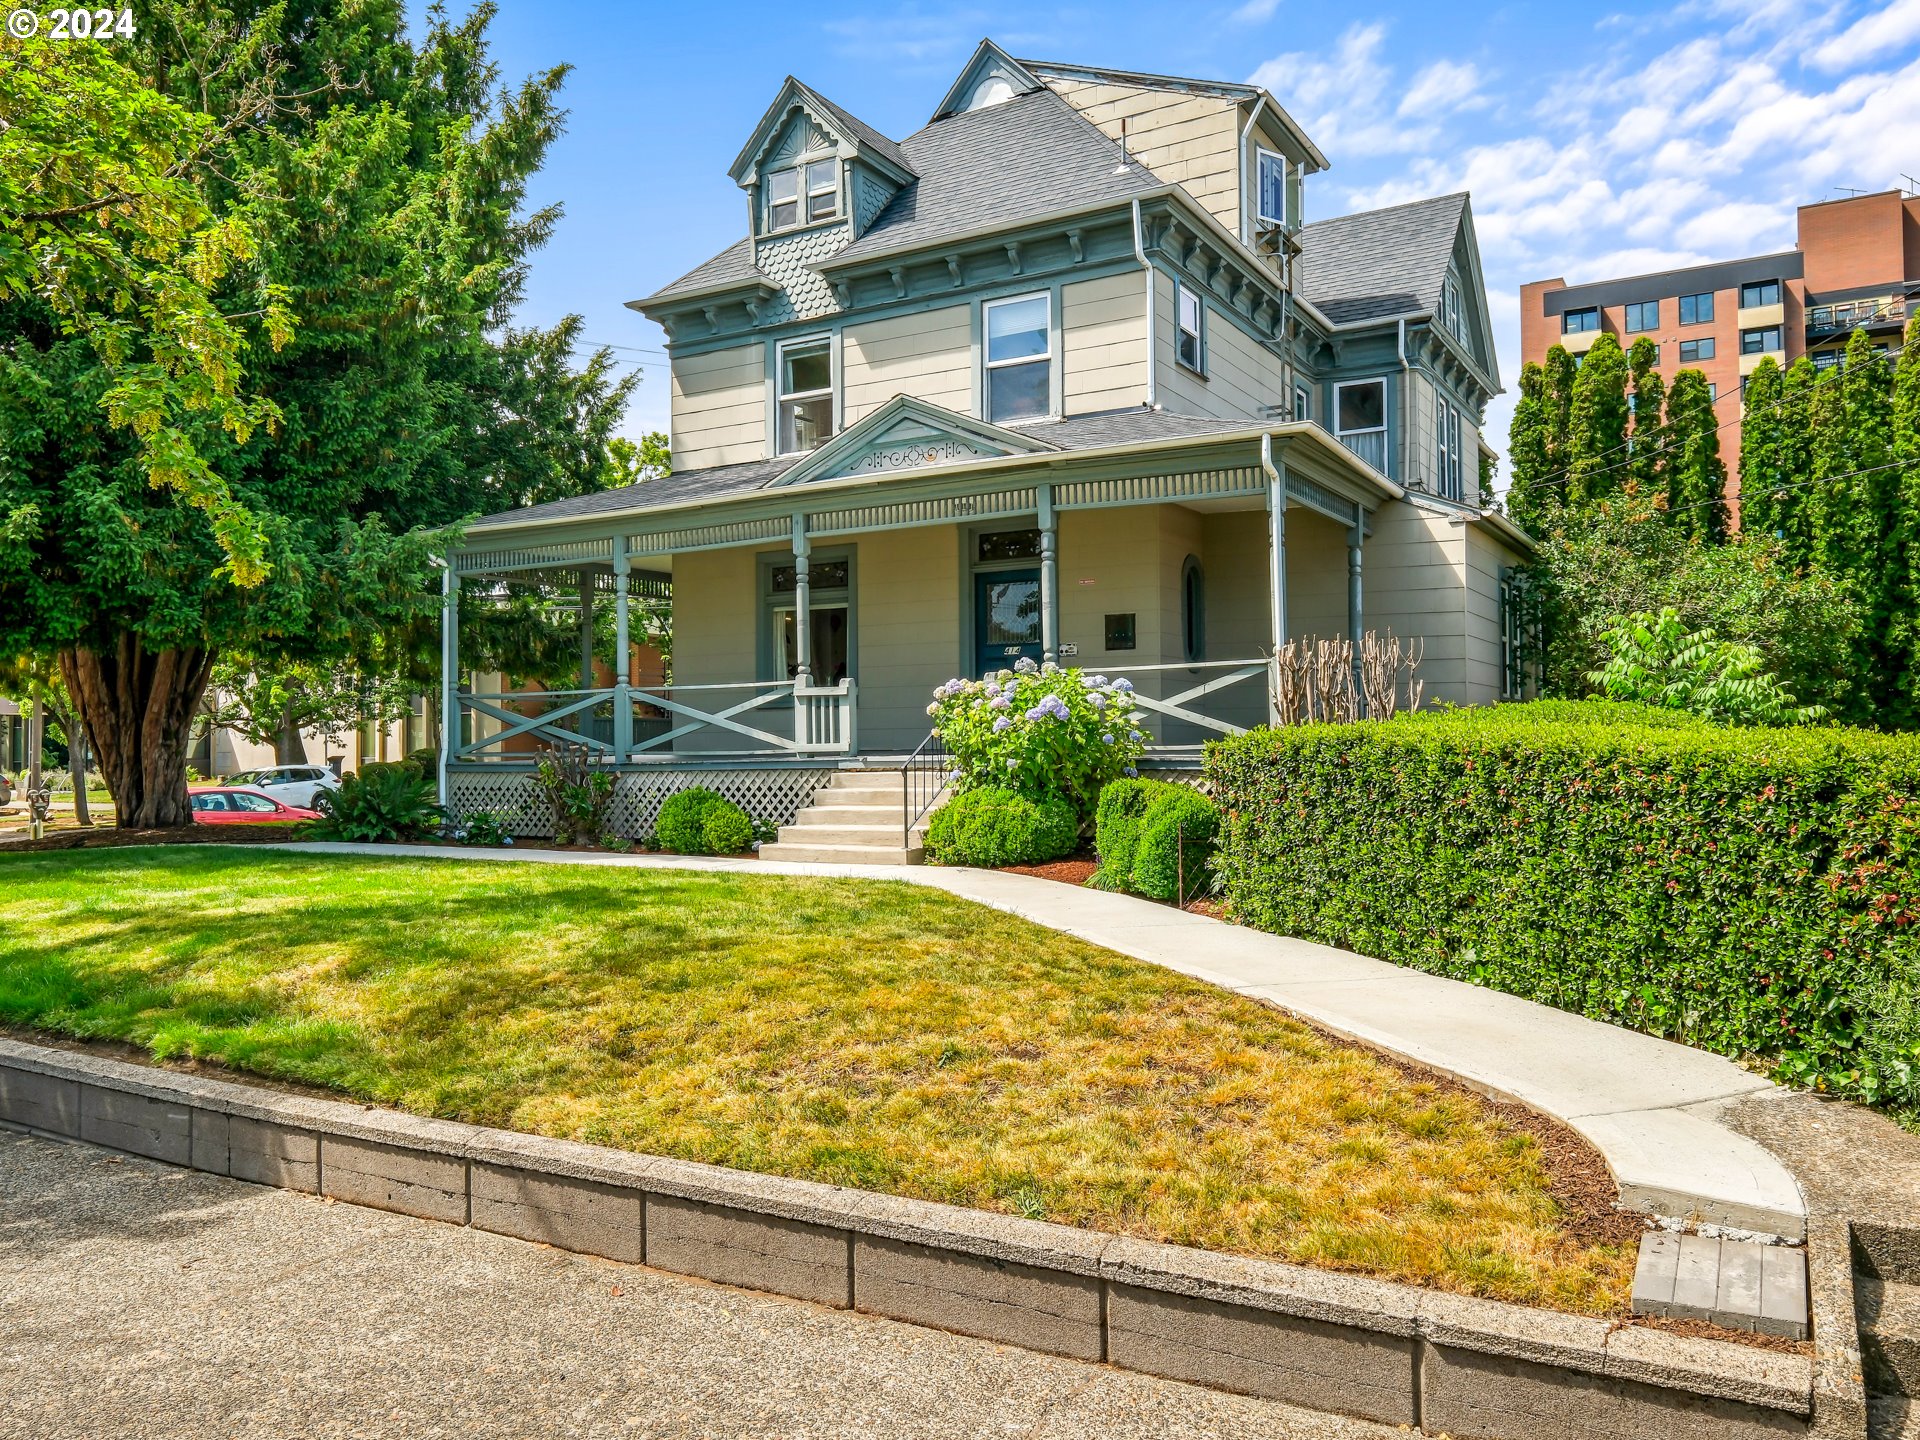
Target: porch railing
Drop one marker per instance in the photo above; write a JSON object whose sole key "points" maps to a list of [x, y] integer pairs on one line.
{"points": [[924, 777], [745, 718], [1200, 699]]}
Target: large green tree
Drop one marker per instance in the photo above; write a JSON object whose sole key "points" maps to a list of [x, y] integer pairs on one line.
{"points": [[1906, 453], [1649, 407], [387, 206], [1795, 504], [1597, 424], [1534, 490], [1762, 472]]}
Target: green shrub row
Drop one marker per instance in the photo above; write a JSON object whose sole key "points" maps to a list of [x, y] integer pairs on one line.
{"points": [[1750, 891], [989, 828], [1155, 839]]}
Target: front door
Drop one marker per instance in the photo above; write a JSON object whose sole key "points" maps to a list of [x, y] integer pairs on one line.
{"points": [[1006, 618]]}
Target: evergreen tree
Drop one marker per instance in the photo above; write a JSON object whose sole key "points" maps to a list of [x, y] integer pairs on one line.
{"points": [[1761, 475], [1696, 475], [1561, 370], [1861, 505], [1533, 495], [1649, 439], [1794, 501], [1597, 425], [1904, 703]]}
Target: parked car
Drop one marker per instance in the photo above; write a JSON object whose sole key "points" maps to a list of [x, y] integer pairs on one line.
{"points": [[306, 787], [241, 805]]}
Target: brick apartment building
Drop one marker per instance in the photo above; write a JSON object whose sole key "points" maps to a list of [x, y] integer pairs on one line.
{"points": [[1857, 263]]}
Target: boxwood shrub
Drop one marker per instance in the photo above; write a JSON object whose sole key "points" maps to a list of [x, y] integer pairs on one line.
{"points": [[998, 827], [1751, 891], [699, 821], [1142, 828]]}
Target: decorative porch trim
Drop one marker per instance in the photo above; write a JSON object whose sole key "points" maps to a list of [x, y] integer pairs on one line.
{"points": [[1148, 489], [572, 553], [936, 510], [711, 537]]}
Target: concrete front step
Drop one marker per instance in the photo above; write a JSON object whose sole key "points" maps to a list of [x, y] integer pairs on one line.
{"points": [[1889, 1334], [817, 832], [850, 815], [857, 795], [842, 854]]}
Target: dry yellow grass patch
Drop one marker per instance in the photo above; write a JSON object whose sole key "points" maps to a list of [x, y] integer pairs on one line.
{"points": [[867, 1034]]}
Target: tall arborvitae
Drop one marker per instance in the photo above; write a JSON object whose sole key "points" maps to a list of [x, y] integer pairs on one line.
{"points": [[1533, 494], [1597, 425], [1696, 475], [1649, 439], [1761, 460], [1561, 371], [1863, 505], [1794, 503], [1905, 699]]}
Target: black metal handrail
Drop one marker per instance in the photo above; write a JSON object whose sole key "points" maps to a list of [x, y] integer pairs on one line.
{"points": [[923, 778]]}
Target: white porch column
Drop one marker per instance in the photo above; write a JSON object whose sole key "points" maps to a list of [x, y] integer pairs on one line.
{"points": [[1276, 556], [1049, 576], [802, 605], [1356, 615], [449, 670], [622, 653]]}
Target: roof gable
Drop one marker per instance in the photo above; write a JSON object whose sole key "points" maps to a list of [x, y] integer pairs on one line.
{"points": [[831, 127], [908, 433], [1380, 264], [989, 62]]}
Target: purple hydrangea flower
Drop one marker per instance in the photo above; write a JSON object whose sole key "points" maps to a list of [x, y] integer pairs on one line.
{"points": [[1131, 772], [1097, 700], [1013, 764], [1005, 722], [1123, 684], [1051, 706], [1000, 702], [1026, 666], [1106, 739]]}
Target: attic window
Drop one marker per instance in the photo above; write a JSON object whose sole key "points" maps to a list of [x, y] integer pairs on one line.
{"points": [[822, 182], [1272, 188], [993, 89]]}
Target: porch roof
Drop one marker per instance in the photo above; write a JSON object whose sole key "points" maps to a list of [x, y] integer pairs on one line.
{"points": [[1132, 431]]}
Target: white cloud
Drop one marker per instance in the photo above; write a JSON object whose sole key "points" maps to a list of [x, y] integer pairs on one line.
{"points": [[1342, 97], [1870, 37], [1255, 12], [1441, 88]]}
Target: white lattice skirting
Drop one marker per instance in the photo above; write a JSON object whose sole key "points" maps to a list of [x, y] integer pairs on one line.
{"points": [[776, 795]]}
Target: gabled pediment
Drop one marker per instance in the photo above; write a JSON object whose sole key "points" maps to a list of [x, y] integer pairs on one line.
{"points": [[801, 121], [910, 434], [990, 76]]}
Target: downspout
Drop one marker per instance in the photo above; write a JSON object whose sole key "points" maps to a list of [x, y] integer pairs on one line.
{"points": [[1276, 566], [1401, 474], [1140, 254]]}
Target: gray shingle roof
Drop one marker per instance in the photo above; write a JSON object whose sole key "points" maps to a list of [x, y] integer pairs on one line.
{"points": [[1030, 156], [1380, 263], [732, 266], [693, 487]]}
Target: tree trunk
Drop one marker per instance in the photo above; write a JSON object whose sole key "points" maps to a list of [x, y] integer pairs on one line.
{"points": [[77, 762], [137, 705], [288, 747]]}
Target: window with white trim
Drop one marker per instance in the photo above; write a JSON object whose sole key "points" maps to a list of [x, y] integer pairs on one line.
{"points": [[820, 179], [1450, 442], [1270, 201], [1017, 354], [1360, 419], [1189, 330], [1302, 402], [804, 372]]}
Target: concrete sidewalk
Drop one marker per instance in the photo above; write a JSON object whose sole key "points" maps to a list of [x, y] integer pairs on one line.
{"points": [[143, 1301], [1655, 1110]]}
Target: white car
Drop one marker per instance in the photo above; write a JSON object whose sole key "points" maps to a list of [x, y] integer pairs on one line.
{"points": [[307, 787]]}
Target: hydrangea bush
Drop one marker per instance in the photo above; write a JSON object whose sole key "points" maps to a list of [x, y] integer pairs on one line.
{"points": [[1041, 731]]}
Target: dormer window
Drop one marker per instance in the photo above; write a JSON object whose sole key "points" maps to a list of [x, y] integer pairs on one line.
{"points": [[820, 179], [1272, 188]]}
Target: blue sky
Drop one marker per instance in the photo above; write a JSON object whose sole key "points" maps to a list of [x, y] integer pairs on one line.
{"points": [[1595, 142]]}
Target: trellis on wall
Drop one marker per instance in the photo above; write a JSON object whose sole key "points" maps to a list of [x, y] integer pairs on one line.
{"points": [[775, 794]]}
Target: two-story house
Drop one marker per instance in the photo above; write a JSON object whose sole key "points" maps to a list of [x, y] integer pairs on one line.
{"points": [[1065, 374]]}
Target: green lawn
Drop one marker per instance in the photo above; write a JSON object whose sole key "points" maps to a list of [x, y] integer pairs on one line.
{"points": [[862, 1033]]}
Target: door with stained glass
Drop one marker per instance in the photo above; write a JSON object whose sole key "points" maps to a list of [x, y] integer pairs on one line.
{"points": [[1006, 618]]}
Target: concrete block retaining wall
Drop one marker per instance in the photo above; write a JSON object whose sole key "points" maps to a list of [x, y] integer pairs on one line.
{"points": [[1367, 1348]]}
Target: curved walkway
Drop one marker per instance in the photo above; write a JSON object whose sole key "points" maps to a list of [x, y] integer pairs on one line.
{"points": [[1652, 1108]]}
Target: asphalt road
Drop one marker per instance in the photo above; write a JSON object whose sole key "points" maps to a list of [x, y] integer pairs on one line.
{"points": [[140, 1300]]}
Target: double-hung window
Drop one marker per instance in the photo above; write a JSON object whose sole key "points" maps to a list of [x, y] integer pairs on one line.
{"points": [[1643, 315], [1696, 309], [820, 179], [1271, 201], [1451, 436], [1360, 419], [1578, 322], [1018, 358], [805, 373], [1694, 351], [1189, 331]]}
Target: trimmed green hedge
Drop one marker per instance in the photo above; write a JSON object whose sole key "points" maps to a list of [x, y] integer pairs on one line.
{"points": [[698, 821], [1153, 835], [991, 828], [1751, 891]]}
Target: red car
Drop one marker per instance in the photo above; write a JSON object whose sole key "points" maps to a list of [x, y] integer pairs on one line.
{"points": [[240, 805]]}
